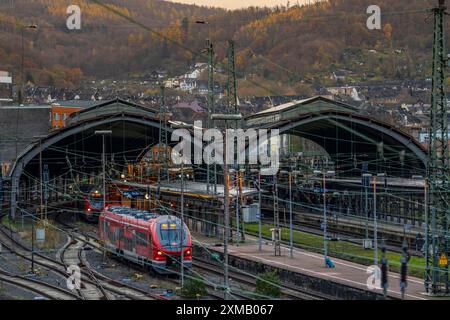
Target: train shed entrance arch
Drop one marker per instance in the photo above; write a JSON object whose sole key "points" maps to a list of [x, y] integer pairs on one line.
{"points": [[349, 138], [134, 129]]}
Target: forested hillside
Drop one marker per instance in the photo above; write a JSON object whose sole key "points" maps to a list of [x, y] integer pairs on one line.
{"points": [[280, 46]]}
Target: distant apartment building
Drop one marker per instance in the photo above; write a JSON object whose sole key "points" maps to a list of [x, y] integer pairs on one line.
{"points": [[5, 87], [61, 110], [20, 125]]}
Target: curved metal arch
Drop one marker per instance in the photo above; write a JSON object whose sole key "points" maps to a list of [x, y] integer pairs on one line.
{"points": [[402, 138], [28, 155]]}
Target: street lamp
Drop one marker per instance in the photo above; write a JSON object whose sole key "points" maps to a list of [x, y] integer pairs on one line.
{"points": [[324, 176], [31, 26], [103, 133], [226, 117]]}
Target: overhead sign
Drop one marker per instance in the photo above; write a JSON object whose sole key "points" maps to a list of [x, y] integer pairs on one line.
{"points": [[443, 261], [132, 194]]}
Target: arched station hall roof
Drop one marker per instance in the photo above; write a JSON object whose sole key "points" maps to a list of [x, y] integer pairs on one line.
{"points": [[348, 137], [134, 128]]}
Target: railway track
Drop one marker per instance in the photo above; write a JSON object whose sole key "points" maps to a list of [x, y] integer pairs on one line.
{"points": [[41, 288], [93, 240], [69, 255], [289, 291], [94, 284], [84, 240]]}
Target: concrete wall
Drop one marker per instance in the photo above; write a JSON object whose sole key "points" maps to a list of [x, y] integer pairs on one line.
{"points": [[18, 126], [323, 286]]}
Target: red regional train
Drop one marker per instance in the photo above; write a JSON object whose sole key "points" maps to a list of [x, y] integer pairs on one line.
{"points": [[146, 238]]}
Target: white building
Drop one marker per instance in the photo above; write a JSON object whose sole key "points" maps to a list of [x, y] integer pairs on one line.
{"points": [[188, 84]]}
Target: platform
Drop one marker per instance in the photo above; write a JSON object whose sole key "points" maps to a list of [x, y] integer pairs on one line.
{"points": [[312, 264]]}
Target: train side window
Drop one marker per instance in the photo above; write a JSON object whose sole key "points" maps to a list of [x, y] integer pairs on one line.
{"points": [[141, 238], [111, 234]]}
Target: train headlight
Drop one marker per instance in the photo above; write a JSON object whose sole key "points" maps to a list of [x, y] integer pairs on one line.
{"points": [[188, 252], [159, 253], [89, 209]]}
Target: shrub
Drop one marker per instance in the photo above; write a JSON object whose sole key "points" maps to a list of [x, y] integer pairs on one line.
{"points": [[268, 285], [193, 288]]}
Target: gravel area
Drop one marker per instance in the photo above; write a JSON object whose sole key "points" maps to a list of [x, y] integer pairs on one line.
{"points": [[129, 273]]}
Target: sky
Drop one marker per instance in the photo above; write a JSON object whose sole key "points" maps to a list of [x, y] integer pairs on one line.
{"points": [[236, 4]]}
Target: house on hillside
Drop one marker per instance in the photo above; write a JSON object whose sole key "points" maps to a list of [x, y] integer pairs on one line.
{"points": [[172, 83], [187, 85], [193, 74], [339, 75], [194, 106], [158, 74]]}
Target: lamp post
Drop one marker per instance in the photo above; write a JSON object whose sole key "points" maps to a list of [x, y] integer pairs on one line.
{"points": [[324, 177], [103, 133], [226, 117]]}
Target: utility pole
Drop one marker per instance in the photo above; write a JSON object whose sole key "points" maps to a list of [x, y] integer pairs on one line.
{"points": [[384, 270], [32, 244], [260, 211], [226, 204], [41, 178], [232, 80], [258, 185], [276, 232], [182, 223], [226, 199], [162, 156], [182, 211], [291, 243], [211, 176], [375, 226], [325, 236], [103, 133], [366, 183], [325, 246], [438, 173], [238, 218]]}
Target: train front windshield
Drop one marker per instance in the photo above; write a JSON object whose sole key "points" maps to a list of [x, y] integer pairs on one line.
{"points": [[96, 201], [170, 235]]}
